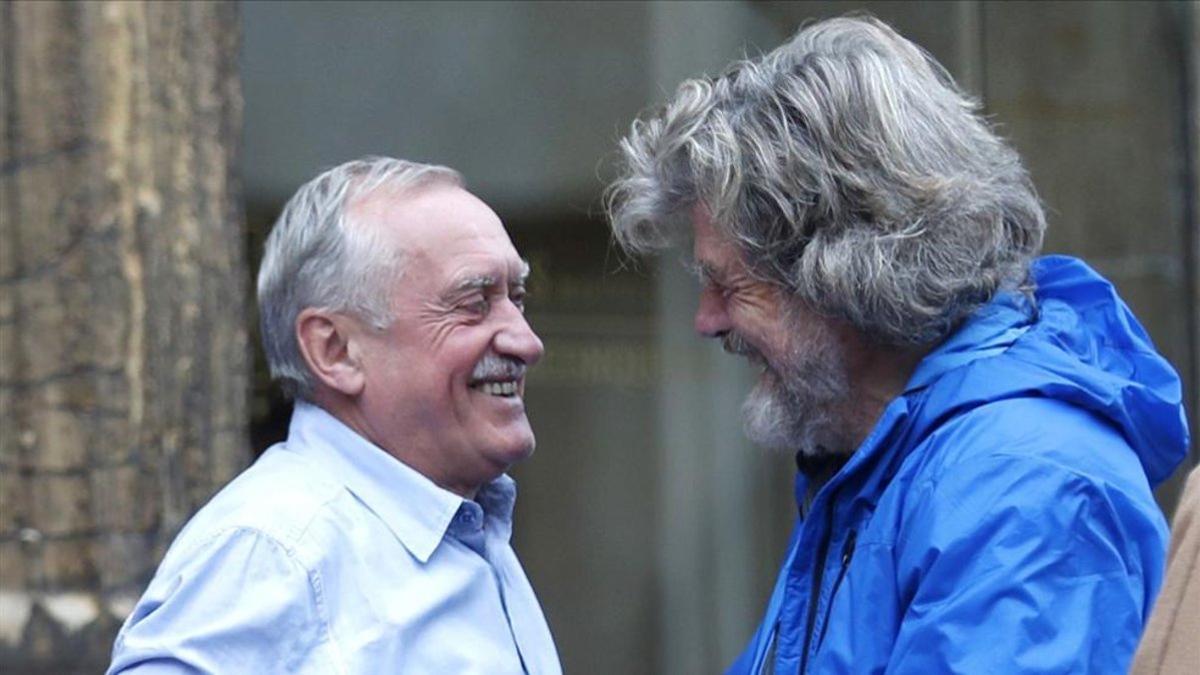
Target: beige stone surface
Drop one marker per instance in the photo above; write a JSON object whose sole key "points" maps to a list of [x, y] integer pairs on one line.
{"points": [[122, 278]]}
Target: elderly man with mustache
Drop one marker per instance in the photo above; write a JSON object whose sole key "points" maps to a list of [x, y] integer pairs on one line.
{"points": [[376, 538]]}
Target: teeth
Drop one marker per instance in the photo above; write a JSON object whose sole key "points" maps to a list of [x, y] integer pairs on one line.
{"points": [[499, 388]]}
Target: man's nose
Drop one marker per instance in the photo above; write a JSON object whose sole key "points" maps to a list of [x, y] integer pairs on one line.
{"points": [[516, 338], [711, 318]]}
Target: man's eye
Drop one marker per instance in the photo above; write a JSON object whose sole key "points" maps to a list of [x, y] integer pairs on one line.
{"points": [[716, 288], [518, 299], [478, 306]]}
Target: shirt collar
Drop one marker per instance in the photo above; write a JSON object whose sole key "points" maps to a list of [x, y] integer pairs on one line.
{"points": [[413, 507]]}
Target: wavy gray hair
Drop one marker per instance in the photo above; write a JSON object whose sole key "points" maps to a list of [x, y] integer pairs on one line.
{"points": [[850, 170], [315, 257]]}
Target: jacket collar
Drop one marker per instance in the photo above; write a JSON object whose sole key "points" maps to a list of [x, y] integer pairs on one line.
{"points": [[988, 332], [992, 329]]}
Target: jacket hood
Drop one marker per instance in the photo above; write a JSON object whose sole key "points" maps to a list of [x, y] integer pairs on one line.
{"points": [[1081, 345]]}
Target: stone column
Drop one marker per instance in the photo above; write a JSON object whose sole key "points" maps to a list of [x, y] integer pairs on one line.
{"points": [[123, 355]]}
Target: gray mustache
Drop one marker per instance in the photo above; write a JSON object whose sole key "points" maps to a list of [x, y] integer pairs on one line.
{"points": [[493, 367], [736, 344]]}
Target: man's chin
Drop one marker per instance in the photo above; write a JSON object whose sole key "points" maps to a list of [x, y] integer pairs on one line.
{"points": [[515, 445], [765, 420], [769, 422]]}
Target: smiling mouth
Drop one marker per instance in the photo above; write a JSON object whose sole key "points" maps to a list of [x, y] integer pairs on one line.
{"points": [[505, 388]]}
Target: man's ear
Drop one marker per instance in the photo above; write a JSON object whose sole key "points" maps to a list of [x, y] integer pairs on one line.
{"points": [[325, 342]]}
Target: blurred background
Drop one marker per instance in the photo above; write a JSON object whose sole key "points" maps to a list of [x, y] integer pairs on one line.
{"points": [[148, 147]]}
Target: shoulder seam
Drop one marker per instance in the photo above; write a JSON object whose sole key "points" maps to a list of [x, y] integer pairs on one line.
{"points": [[312, 575]]}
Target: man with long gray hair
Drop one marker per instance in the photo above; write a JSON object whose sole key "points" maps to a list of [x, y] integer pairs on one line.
{"points": [[376, 538], [977, 431]]}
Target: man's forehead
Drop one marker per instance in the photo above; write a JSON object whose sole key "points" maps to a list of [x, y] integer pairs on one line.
{"points": [[427, 211], [439, 222], [476, 274], [380, 202], [714, 254]]}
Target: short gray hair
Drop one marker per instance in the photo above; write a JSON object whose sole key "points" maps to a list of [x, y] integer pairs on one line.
{"points": [[850, 171], [314, 257]]}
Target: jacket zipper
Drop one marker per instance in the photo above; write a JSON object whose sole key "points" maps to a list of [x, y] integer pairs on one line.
{"points": [[814, 594], [847, 555]]}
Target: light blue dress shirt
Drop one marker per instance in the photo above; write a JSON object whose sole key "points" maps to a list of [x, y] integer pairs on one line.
{"points": [[330, 556]]}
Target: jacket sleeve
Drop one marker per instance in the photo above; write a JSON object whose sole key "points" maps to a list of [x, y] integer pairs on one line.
{"points": [[241, 603], [1017, 564]]}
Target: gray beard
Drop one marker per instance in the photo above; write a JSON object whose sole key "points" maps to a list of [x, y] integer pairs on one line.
{"points": [[794, 406]]}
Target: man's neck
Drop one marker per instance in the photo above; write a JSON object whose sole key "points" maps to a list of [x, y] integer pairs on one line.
{"points": [[350, 415], [878, 376]]}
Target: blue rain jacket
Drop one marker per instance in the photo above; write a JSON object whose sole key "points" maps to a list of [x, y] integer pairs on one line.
{"points": [[998, 519]]}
